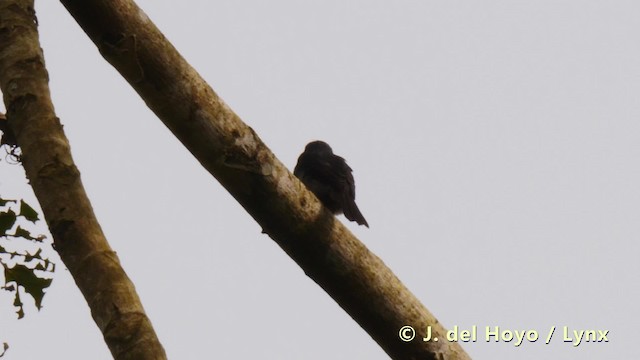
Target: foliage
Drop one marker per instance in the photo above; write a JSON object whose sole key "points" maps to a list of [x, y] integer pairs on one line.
{"points": [[23, 268], [8, 141]]}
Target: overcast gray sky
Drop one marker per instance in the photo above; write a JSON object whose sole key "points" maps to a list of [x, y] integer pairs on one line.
{"points": [[495, 147]]}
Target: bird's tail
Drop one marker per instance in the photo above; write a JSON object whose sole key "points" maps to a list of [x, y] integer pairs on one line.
{"points": [[352, 213]]}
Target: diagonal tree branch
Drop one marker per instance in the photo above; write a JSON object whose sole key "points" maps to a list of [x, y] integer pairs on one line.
{"points": [[233, 153], [46, 157]]}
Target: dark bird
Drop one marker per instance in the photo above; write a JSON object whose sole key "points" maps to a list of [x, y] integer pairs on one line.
{"points": [[329, 177]]}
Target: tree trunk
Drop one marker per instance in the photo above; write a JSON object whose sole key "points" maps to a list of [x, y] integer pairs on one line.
{"points": [[46, 157]]}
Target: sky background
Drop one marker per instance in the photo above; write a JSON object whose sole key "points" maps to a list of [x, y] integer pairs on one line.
{"points": [[495, 148]]}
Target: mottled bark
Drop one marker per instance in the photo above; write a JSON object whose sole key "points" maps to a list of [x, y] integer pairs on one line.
{"points": [[46, 157]]}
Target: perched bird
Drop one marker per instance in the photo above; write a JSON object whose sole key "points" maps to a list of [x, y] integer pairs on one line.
{"points": [[329, 177]]}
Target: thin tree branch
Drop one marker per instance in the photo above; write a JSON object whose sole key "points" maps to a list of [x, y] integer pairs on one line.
{"points": [[233, 153], [46, 157]]}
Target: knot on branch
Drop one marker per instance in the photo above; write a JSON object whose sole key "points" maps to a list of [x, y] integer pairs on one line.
{"points": [[122, 51]]}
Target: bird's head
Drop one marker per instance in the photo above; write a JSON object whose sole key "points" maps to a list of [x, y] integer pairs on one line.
{"points": [[318, 147]]}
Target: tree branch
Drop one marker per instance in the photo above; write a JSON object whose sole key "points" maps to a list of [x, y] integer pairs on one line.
{"points": [[46, 157], [233, 153]]}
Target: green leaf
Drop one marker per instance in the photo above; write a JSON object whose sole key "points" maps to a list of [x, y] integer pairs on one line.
{"points": [[7, 219], [28, 257], [4, 202], [22, 233], [28, 212], [17, 302], [31, 283]]}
